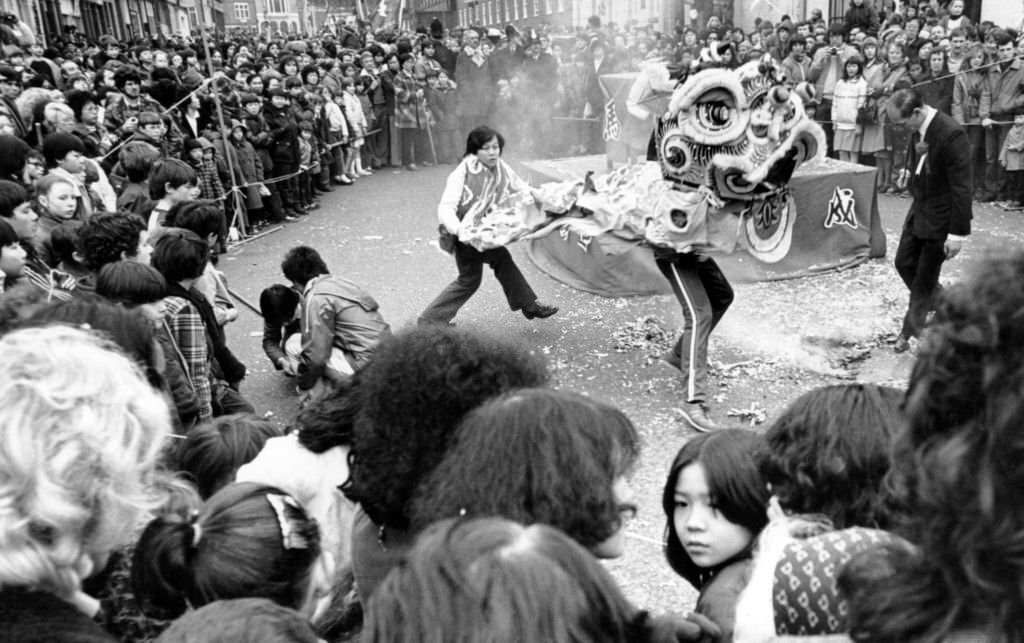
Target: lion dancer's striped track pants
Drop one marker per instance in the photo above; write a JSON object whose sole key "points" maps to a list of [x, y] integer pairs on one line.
{"points": [[704, 295]]}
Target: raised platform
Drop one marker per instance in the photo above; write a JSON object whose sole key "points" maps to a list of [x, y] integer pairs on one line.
{"points": [[837, 227]]}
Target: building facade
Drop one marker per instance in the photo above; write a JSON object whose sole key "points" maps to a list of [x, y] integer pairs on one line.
{"points": [[124, 19], [661, 14]]}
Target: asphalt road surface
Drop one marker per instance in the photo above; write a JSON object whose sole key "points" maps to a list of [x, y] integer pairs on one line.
{"points": [[381, 234]]}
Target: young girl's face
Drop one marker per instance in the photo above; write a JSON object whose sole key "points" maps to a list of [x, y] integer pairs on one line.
{"points": [[708, 537], [851, 70], [59, 201], [12, 260], [937, 62]]}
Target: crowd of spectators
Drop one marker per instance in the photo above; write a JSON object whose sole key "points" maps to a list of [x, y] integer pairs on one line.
{"points": [[144, 498]]}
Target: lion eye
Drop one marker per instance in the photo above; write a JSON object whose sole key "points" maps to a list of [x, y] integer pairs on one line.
{"points": [[714, 115]]}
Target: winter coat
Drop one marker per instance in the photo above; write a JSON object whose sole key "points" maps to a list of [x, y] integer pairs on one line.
{"points": [[284, 135], [972, 97], [1005, 87], [258, 134], [247, 167], [337, 313], [475, 88], [410, 108]]}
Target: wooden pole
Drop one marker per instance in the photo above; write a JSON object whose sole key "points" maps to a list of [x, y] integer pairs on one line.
{"points": [[237, 217]]}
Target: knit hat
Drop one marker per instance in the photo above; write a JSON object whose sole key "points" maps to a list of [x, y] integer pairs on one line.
{"points": [[245, 98], [57, 146], [278, 91]]}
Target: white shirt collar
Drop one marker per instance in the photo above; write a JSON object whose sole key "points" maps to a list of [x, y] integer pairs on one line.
{"points": [[929, 114]]}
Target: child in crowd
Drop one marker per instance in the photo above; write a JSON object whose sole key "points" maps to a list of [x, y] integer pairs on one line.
{"points": [[65, 157], [12, 256], [278, 305], [284, 148], [136, 161], [337, 134], [1011, 157], [715, 504], [309, 165], [851, 93], [363, 84], [64, 250], [206, 219], [248, 541], [139, 286], [258, 135], [170, 182], [357, 129], [202, 158], [212, 453], [180, 257], [248, 171], [55, 203]]}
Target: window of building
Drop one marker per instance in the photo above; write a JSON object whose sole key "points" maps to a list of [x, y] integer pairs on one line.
{"points": [[193, 18], [275, 6], [242, 11]]}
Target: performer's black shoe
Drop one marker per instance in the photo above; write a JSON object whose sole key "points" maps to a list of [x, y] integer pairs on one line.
{"points": [[537, 310], [696, 415]]}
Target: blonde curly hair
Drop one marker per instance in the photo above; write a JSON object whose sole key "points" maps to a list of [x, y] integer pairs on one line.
{"points": [[80, 433]]}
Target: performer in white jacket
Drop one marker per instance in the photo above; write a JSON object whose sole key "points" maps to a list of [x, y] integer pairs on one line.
{"points": [[480, 181]]}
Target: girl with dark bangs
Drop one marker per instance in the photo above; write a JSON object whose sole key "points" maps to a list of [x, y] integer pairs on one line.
{"points": [[561, 459], [715, 503]]}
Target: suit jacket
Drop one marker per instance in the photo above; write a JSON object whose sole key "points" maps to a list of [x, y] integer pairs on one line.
{"points": [[943, 188], [595, 95]]}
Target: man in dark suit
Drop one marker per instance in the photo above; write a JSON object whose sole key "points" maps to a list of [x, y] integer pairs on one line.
{"points": [[939, 220]]}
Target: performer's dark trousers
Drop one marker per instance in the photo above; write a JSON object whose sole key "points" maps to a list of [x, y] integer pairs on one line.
{"points": [[704, 294], [470, 263], [919, 262]]}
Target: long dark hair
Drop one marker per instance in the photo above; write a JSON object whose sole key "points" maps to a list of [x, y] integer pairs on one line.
{"points": [[239, 546], [494, 580], [556, 463], [736, 488], [829, 451]]}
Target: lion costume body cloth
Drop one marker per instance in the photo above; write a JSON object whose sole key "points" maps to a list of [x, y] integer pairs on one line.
{"points": [[723, 155]]}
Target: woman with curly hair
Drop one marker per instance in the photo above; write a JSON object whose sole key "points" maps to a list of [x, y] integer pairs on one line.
{"points": [[562, 460], [412, 396], [958, 478], [81, 432]]}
